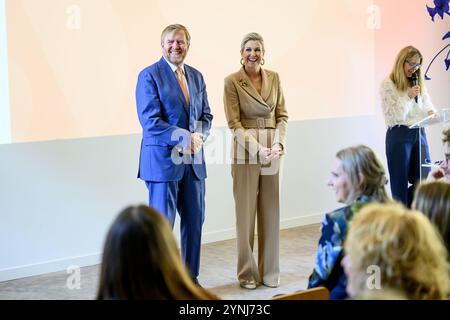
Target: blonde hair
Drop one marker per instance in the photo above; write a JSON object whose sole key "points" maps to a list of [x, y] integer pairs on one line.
{"points": [[404, 245], [398, 76], [365, 173], [175, 27], [433, 200], [252, 36]]}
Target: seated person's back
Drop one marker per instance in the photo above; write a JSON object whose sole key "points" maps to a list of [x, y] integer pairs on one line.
{"points": [[141, 260], [433, 200]]}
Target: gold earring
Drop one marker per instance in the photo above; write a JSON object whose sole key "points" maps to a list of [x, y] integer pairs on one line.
{"points": [[242, 61], [262, 61]]}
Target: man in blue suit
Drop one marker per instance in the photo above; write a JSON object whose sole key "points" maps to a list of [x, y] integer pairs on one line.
{"points": [[175, 116]]}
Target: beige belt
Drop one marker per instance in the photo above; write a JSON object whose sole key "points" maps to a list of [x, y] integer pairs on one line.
{"points": [[259, 123]]}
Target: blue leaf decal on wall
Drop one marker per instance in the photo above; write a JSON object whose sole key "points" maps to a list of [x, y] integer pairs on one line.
{"points": [[442, 50], [431, 12], [447, 35], [441, 7]]}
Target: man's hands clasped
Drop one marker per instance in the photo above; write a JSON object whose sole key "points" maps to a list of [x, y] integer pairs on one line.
{"points": [[195, 144]]}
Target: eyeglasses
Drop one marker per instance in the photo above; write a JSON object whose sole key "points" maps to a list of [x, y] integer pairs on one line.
{"points": [[414, 65]]}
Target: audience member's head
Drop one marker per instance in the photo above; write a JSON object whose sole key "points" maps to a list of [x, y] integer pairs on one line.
{"points": [[446, 138], [396, 249], [442, 172], [433, 200], [446, 141], [357, 171], [141, 260]]}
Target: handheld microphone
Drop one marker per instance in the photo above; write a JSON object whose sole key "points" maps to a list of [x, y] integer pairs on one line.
{"points": [[414, 83]]}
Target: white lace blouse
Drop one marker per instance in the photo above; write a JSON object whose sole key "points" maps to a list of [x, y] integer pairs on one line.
{"points": [[399, 108]]}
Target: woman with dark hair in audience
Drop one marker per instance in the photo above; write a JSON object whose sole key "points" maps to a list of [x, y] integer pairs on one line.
{"points": [[395, 253], [141, 260], [433, 200], [357, 178]]}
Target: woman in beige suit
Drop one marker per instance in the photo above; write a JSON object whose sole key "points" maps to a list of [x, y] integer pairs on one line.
{"points": [[257, 117]]}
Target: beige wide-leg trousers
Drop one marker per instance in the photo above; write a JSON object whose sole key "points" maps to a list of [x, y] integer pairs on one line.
{"points": [[256, 194]]}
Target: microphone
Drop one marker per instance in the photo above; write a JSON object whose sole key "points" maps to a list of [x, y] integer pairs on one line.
{"points": [[414, 82]]}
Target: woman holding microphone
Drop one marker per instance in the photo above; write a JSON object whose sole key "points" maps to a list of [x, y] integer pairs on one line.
{"points": [[405, 101]]}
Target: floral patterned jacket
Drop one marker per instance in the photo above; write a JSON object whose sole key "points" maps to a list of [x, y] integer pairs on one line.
{"points": [[333, 232]]}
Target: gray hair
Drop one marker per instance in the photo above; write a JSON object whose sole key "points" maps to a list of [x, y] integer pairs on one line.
{"points": [[252, 36], [175, 27]]}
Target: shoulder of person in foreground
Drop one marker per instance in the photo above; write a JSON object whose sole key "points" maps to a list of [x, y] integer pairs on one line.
{"points": [[381, 294]]}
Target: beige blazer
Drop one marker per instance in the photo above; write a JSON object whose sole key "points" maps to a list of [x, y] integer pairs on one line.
{"points": [[256, 120]]}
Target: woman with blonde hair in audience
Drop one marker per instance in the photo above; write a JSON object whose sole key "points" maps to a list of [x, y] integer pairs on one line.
{"points": [[433, 200], [357, 178], [393, 249], [141, 260]]}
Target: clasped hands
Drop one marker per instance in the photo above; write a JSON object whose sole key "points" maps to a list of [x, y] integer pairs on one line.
{"points": [[268, 154], [195, 144]]}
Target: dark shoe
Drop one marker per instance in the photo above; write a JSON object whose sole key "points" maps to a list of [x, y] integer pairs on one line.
{"points": [[195, 281]]}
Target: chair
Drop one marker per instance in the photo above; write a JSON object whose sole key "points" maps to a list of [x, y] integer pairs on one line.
{"points": [[319, 293]]}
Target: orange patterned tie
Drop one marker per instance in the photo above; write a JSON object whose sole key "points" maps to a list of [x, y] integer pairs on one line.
{"points": [[182, 84]]}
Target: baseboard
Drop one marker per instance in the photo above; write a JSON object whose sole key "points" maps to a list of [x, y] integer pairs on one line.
{"points": [[230, 233], [93, 259], [301, 221], [219, 235], [48, 267]]}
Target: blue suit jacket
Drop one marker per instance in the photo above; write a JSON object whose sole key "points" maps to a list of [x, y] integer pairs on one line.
{"points": [[167, 121]]}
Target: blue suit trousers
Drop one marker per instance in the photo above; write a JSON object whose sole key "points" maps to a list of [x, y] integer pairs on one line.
{"points": [[187, 196]]}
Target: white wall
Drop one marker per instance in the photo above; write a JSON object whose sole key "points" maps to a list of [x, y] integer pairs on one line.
{"points": [[5, 121], [57, 199]]}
